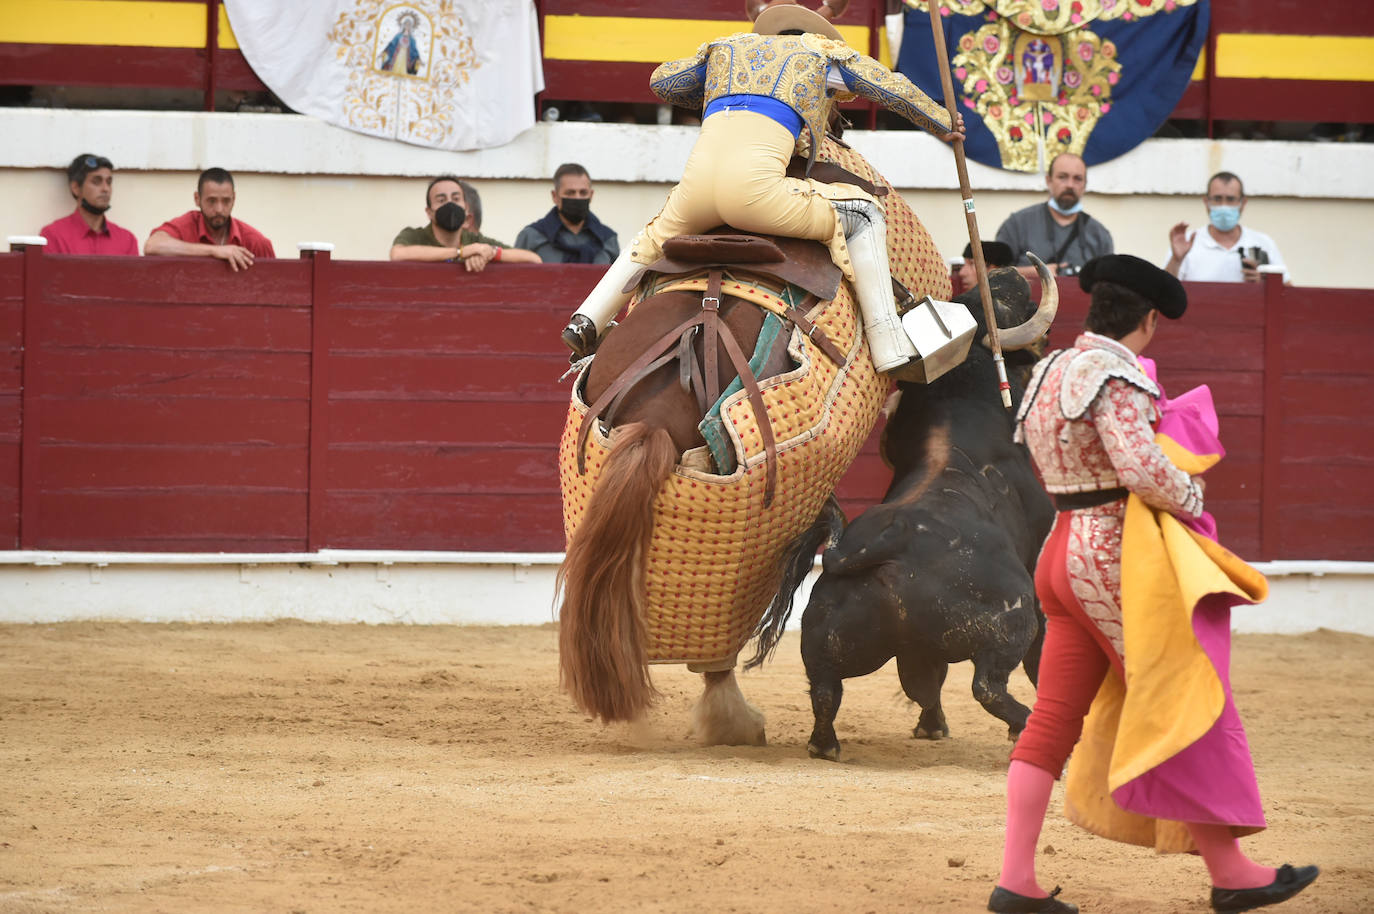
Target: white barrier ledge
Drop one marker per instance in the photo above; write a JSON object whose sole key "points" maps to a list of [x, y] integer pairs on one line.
{"points": [[322, 557], [466, 588]]}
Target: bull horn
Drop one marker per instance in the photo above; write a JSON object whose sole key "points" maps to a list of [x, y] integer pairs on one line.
{"points": [[833, 9], [1023, 335]]}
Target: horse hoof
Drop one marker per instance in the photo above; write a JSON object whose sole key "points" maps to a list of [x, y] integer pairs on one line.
{"points": [[831, 754], [923, 733]]}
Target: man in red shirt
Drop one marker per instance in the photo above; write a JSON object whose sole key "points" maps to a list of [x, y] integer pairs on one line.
{"points": [[209, 230], [90, 178]]}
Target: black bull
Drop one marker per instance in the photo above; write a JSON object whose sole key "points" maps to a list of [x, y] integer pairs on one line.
{"points": [[943, 569]]}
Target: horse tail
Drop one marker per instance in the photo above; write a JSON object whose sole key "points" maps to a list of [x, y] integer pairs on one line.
{"points": [[601, 639], [797, 561]]}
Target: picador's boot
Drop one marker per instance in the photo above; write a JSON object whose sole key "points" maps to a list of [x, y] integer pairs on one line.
{"points": [[604, 303], [865, 231]]}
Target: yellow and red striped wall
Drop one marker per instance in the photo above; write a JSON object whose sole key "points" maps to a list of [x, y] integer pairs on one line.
{"points": [[1266, 59]]}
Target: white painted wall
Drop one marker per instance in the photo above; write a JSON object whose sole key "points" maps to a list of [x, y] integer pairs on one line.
{"points": [[299, 179], [468, 589]]}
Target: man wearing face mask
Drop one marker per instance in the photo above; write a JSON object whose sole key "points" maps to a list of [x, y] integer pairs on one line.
{"points": [[445, 239], [1227, 251], [569, 233], [1058, 231], [90, 179]]}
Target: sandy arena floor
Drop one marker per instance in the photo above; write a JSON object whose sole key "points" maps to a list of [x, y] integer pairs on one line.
{"points": [[311, 768]]}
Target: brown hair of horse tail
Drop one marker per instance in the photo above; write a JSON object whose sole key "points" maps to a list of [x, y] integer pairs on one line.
{"points": [[603, 658]]}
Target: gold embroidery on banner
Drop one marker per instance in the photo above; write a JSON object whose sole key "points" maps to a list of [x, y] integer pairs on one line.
{"points": [[1036, 74], [405, 61]]}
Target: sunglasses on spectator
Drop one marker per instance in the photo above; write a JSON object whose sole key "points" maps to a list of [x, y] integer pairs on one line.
{"points": [[94, 162]]}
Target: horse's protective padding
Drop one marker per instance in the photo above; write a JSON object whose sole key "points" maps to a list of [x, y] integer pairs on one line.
{"points": [[713, 564]]}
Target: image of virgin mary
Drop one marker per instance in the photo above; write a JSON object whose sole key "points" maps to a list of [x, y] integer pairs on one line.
{"points": [[400, 54]]}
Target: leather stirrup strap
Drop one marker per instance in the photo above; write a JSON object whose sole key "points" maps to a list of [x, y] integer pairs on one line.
{"points": [[663, 344], [751, 387], [647, 370], [689, 370], [797, 315], [710, 306]]}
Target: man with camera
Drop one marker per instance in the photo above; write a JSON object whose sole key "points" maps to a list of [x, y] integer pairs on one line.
{"points": [[1227, 251], [1057, 231]]}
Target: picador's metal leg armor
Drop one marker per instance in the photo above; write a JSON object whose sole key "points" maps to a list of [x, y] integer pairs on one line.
{"points": [[865, 231], [605, 301]]}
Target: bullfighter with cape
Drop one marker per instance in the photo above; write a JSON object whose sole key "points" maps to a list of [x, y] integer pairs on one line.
{"points": [[1137, 596]]}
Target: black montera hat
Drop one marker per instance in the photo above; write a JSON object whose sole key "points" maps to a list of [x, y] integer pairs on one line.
{"points": [[1161, 289], [995, 254]]}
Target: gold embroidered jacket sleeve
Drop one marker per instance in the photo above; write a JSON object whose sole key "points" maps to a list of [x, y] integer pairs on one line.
{"points": [[869, 79], [682, 82]]}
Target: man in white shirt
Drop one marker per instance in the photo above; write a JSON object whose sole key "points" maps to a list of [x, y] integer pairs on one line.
{"points": [[1226, 251]]}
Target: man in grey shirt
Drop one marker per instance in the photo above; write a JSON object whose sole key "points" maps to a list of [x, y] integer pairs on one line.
{"points": [[1057, 231]]}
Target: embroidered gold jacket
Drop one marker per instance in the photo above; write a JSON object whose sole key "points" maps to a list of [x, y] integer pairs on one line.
{"points": [[793, 70]]}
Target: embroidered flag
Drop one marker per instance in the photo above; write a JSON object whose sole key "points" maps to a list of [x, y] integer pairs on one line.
{"points": [[1041, 77], [452, 74]]}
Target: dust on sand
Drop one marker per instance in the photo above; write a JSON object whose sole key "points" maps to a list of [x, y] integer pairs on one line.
{"points": [[323, 768]]}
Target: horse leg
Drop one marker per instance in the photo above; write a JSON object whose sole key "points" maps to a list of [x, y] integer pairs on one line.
{"points": [[922, 676], [722, 717]]}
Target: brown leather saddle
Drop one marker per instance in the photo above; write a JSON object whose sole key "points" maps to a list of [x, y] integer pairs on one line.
{"points": [[781, 260]]}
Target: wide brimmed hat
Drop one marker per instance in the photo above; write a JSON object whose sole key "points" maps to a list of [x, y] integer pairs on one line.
{"points": [[787, 15], [1159, 288]]}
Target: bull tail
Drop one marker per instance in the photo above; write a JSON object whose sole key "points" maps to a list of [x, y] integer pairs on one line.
{"points": [[603, 661], [797, 561]]}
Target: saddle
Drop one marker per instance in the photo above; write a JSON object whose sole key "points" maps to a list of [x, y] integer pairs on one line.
{"points": [[776, 259]]}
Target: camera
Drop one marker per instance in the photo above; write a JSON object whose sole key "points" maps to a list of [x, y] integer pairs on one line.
{"points": [[1257, 255]]}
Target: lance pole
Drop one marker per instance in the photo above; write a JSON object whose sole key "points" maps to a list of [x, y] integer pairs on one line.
{"points": [[975, 241]]}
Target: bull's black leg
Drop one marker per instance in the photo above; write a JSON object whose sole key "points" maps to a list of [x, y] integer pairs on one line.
{"points": [[922, 678], [991, 670], [826, 693], [1031, 662]]}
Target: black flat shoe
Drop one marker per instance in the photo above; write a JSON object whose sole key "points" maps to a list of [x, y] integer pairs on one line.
{"points": [[1288, 881], [1008, 902]]}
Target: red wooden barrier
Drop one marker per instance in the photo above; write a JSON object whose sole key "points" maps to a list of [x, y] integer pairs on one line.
{"points": [[166, 404]]}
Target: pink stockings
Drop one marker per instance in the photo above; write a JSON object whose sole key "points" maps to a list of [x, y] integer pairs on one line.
{"points": [[1028, 796], [1226, 862]]}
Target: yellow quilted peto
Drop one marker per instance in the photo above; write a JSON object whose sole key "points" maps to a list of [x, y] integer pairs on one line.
{"points": [[712, 567]]}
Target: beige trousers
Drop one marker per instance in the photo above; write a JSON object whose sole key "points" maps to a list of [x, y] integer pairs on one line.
{"points": [[736, 175]]}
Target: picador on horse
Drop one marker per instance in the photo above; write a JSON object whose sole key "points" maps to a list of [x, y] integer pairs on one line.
{"points": [[713, 422]]}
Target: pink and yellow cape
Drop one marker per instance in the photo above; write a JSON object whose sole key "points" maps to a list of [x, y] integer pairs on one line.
{"points": [[1166, 745]]}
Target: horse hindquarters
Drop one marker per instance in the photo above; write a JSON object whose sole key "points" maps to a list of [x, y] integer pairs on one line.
{"points": [[602, 651]]}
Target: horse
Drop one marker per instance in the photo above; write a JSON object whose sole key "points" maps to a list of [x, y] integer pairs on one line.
{"points": [[705, 435]]}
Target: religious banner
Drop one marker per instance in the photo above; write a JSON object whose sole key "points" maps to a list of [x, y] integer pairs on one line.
{"points": [[1041, 77], [452, 74]]}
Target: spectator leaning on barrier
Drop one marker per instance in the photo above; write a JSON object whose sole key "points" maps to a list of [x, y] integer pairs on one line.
{"points": [[1227, 251], [90, 179], [444, 238], [1057, 231], [569, 233], [210, 230]]}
